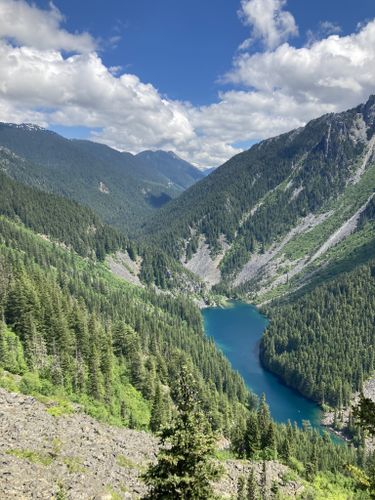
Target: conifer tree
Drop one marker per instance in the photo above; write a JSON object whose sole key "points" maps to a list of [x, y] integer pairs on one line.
{"points": [[184, 468], [285, 449], [252, 436], [264, 481], [365, 413], [241, 488], [252, 487], [269, 438], [157, 410], [264, 420]]}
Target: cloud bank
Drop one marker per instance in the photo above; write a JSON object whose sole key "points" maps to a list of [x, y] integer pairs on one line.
{"points": [[52, 77]]}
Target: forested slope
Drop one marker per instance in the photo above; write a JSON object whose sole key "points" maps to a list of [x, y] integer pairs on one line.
{"points": [[322, 341], [122, 188], [78, 228], [269, 211], [72, 327], [60, 219]]}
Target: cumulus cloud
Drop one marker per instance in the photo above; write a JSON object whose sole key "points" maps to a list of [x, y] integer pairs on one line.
{"points": [[330, 71], [80, 90], [58, 81], [269, 22], [325, 29], [28, 25]]}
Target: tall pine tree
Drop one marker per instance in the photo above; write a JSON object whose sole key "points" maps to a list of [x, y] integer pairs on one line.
{"points": [[184, 468]]}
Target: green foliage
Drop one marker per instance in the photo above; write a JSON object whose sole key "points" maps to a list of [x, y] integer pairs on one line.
{"points": [[365, 413], [252, 487], [184, 468], [11, 351], [58, 410], [321, 342], [74, 465], [101, 342], [125, 462], [31, 384], [241, 488], [330, 486], [32, 456], [259, 195], [159, 410]]}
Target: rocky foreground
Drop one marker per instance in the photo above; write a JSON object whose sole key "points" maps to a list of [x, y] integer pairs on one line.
{"points": [[76, 457]]}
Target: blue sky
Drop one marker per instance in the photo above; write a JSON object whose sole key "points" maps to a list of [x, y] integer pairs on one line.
{"points": [[183, 46], [203, 78]]}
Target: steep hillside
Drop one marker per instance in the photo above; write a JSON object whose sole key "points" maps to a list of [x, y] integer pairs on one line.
{"points": [[77, 228], [279, 210], [123, 189], [76, 457], [73, 329], [321, 340], [176, 171], [59, 219]]}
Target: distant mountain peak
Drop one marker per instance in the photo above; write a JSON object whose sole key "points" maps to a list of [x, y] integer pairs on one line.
{"points": [[26, 126]]}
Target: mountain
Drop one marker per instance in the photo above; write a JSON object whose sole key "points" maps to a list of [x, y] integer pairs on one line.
{"points": [[78, 228], [208, 171], [69, 326], [267, 220], [122, 188], [75, 340], [176, 171]]}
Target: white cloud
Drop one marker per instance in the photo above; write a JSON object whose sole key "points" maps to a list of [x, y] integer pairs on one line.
{"points": [[28, 25], [80, 90], [329, 28], [269, 22], [325, 29], [281, 90], [334, 71]]}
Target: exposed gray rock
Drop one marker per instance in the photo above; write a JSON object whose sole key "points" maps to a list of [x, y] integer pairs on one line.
{"points": [[122, 266], [78, 458], [204, 265], [74, 453]]}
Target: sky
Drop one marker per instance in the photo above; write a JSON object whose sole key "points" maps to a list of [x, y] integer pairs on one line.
{"points": [[205, 79]]}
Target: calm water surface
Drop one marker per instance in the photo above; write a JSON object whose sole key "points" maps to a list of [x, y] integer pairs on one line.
{"points": [[237, 330]]}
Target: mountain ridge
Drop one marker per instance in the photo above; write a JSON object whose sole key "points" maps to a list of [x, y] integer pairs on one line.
{"points": [[309, 181], [123, 188]]}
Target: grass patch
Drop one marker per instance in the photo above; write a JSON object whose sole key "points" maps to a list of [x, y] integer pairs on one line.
{"points": [[223, 455], [60, 409], [123, 461], [34, 457], [74, 465], [114, 494]]}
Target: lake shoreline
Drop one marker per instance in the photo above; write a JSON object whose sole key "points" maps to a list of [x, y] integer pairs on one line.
{"points": [[328, 416], [237, 330]]}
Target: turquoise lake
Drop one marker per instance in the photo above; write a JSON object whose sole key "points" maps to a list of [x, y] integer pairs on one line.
{"points": [[237, 331]]}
